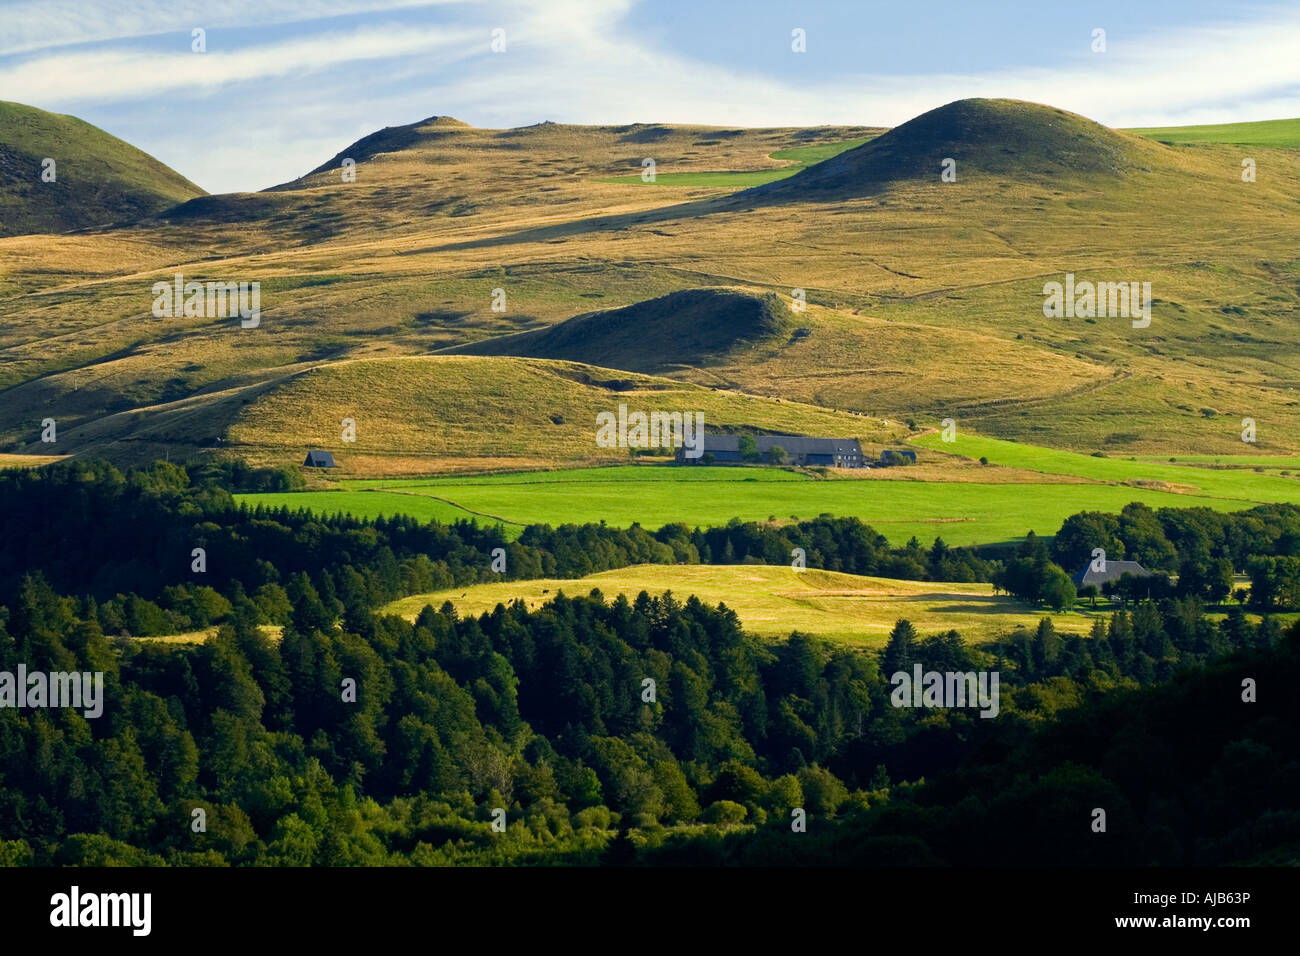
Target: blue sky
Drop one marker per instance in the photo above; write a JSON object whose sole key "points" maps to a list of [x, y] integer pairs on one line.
{"points": [[285, 85]]}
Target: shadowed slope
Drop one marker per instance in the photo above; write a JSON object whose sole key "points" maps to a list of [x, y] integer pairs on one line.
{"points": [[694, 327]]}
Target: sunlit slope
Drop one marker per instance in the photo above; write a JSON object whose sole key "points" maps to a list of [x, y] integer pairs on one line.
{"points": [[792, 160], [97, 179], [925, 297], [1192, 479], [457, 412], [1281, 132], [343, 267], [771, 602], [758, 344]]}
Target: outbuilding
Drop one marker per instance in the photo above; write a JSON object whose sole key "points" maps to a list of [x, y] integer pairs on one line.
{"points": [[1109, 571]]}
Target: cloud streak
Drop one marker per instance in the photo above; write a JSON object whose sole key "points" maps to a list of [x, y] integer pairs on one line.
{"points": [[31, 25]]}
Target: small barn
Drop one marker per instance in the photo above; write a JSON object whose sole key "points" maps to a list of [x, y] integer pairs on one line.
{"points": [[319, 459]]}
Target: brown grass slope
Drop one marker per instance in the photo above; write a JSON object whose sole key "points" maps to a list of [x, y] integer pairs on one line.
{"points": [[925, 298], [422, 414]]}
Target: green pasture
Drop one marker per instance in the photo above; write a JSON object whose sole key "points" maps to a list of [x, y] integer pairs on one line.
{"points": [[1190, 481], [1282, 132], [962, 513], [371, 505]]}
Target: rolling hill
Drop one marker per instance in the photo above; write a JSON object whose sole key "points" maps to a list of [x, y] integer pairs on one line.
{"points": [[925, 298], [753, 342], [995, 139], [829, 604], [692, 328], [421, 415], [98, 179]]}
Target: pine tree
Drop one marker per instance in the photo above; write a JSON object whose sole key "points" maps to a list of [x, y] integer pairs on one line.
{"points": [[900, 652]]}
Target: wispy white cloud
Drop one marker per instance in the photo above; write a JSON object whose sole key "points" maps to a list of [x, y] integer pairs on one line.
{"points": [[114, 75], [1231, 73], [28, 25]]}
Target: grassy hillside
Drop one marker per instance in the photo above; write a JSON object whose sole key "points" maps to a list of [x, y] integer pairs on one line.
{"points": [[693, 328], [925, 298], [757, 344], [771, 602], [1188, 479], [1282, 132], [1004, 139], [99, 179], [449, 413]]}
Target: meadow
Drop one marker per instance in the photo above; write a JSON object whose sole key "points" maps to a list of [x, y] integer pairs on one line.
{"points": [[1283, 132], [1191, 480], [962, 513], [773, 601], [371, 505]]}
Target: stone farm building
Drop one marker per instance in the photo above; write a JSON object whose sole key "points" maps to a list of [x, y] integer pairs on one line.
{"points": [[319, 459], [832, 452]]}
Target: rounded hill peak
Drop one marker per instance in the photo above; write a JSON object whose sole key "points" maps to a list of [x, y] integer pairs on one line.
{"points": [[689, 327], [1007, 139], [444, 122]]}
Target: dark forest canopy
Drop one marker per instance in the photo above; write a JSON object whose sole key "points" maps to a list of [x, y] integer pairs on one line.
{"points": [[547, 714]]}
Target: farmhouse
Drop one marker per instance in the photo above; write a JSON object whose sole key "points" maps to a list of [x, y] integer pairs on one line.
{"points": [[799, 450], [1114, 570], [319, 459]]}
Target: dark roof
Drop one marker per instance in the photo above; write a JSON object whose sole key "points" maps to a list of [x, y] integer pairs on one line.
{"points": [[794, 444], [1114, 571], [319, 459]]}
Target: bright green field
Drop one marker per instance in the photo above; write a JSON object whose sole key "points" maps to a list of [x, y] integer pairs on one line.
{"points": [[1283, 132], [801, 155], [372, 504], [959, 512], [1234, 461], [1240, 483]]}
